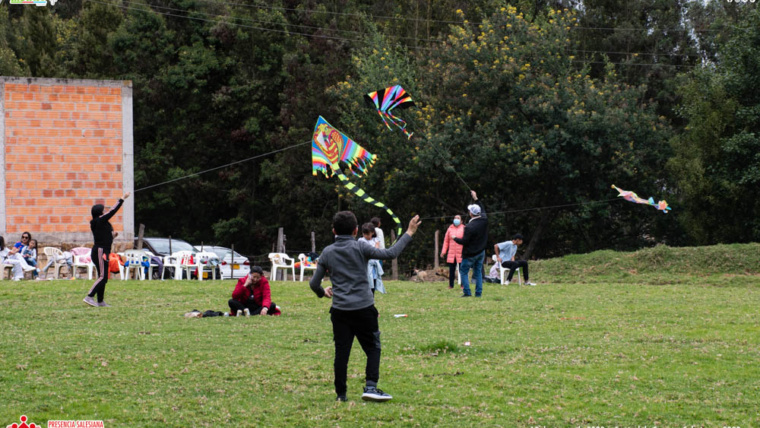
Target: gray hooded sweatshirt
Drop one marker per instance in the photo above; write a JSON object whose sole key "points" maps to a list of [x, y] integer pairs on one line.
{"points": [[346, 262]]}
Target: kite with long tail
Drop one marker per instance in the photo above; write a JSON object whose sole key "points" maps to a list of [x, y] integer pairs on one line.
{"points": [[633, 197], [330, 147], [385, 100]]}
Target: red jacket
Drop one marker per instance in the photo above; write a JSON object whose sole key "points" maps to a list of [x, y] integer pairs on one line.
{"points": [[262, 296]]}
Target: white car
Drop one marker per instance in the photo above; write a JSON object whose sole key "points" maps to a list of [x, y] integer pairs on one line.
{"points": [[231, 268]]}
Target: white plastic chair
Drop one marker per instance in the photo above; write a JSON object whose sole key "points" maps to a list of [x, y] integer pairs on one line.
{"points": [[204, 260], [133, 262], [281, 260], [187, 263], [303, 259], [56, 254], [82, 261], [172, 261], [503, 272], [151, 264]]}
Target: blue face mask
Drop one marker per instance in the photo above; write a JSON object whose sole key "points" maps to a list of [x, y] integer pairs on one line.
{"points": [[457, 222]]}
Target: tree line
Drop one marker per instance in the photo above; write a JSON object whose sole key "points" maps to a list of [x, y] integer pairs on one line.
{"points": [[538, 105]]}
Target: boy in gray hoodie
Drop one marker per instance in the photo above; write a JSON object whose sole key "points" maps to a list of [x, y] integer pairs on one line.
{"points": [[353, 312]]}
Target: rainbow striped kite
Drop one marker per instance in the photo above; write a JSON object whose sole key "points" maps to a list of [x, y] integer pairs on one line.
{"points": [[330, 148], [385, 100]]}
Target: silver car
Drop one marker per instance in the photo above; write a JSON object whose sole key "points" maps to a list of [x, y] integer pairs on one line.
{"points": [[230, 267]]}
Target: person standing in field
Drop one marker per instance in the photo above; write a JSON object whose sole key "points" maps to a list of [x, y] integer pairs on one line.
{"points": [[474, 242], [353, 312], [103, 235], [454, 250]]}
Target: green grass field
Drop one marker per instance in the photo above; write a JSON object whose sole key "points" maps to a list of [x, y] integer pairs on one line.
{"points": [[590, 346]]}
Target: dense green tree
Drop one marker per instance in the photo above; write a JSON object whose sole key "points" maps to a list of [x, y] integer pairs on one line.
{"points": [[717, 160]]}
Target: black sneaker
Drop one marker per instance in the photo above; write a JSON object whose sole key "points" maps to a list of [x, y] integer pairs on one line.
{"points": [[341, 398], [373, 394]]}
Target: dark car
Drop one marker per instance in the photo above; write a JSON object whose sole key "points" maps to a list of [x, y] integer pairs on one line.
{"points": [[163, 247]]}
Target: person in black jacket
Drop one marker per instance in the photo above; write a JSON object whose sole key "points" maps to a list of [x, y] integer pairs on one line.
{"points": [[103, 234], [474, 244]]}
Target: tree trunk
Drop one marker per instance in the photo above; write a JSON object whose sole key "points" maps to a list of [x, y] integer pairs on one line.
{"points": [[544, 221]]}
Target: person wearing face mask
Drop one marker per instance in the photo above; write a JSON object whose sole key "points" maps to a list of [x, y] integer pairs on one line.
{"points": [[454, 249]]}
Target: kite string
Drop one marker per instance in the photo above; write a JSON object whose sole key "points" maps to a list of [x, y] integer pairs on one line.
{"points": [[410, 119], [222, 166], [533, 209]]}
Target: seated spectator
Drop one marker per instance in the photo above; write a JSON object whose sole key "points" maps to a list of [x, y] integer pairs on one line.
{"points": [[14, 258], [505, 254], [252, 295], [29, 253], [493, 274], [67, 257]]}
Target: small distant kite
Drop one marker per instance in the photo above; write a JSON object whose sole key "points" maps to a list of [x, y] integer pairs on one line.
{"points": [[633, 197], [330, 147], [385, 100]]}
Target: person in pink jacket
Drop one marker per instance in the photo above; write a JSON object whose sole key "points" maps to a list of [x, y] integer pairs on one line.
{"points": [[456, 230]]}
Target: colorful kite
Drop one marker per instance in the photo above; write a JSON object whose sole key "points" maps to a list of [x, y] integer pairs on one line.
{"points": [[385, 100], [330, 147], [633, 197]]}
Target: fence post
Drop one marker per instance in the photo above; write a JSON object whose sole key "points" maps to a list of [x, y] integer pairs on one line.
{"points": [[281, 249], [435, 250], [232, 261], [394, 262], [140, 233], [313, 243]]}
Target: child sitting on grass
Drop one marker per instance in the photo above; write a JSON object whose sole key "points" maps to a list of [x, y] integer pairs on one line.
{"points": [[353, 312]]}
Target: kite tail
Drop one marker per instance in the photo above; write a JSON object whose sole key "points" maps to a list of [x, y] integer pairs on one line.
{"points": [[368, 199], [399, 122]]}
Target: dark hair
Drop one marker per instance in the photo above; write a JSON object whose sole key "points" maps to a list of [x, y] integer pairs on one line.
{"points": [[35, 243], [258, 270], [2, 243], [344, 223], [97, 210], [368, 228], [26, 233], [518, 236], [375, 221]]}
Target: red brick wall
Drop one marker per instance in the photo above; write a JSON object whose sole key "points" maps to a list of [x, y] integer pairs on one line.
{"points": [[64, 152]]}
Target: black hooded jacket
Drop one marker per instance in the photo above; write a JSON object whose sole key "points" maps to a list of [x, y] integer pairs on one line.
{"points": [[101, 228]]}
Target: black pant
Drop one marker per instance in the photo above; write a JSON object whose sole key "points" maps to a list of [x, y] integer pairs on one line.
{"points": [[99, 256], [452, 274], [512, 265], [361, 324], [251, 306]]}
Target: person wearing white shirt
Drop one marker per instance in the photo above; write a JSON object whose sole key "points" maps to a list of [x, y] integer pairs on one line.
{"points": [[505, 254], [379, 232]]}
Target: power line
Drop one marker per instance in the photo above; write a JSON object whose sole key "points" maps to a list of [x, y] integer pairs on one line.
{"points": [[270, 22], [222, 166], [287, 32], [643, 64]]}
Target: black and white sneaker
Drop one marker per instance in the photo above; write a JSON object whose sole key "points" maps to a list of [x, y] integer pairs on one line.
{"points": [[373, 394]]}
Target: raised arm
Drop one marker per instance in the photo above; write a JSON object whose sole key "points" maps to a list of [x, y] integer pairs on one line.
{"points": [[107, 216]]}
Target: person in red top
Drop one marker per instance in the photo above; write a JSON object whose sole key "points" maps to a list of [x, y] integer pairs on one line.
{"points": [[252, 295]]}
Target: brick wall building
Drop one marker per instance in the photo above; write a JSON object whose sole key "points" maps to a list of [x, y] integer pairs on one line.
{"points": [[65, 145]]}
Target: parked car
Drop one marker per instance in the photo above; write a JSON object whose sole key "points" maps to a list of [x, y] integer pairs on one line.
{"points": [[239, 265], [161, 247]]}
